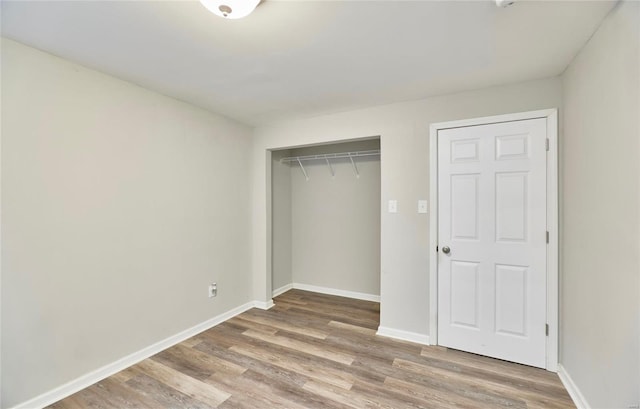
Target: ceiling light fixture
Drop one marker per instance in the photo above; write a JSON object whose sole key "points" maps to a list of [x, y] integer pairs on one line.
{"points": [[232, 9], [504, 3]]}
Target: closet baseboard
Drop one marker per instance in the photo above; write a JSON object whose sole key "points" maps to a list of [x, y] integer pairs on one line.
{"points": [[335, 291], [263, 305], [281, 290]]}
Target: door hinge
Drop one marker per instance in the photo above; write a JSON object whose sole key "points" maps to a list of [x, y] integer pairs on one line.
{"points": [[547, 237], [547, 144], [546, 329]]}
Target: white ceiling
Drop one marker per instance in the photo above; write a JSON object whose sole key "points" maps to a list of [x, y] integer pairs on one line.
{"points": [[301, 58]]}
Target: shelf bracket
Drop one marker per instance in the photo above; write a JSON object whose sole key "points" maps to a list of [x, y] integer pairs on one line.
{"points": [[304, 172], [333, 173], [355, 168]]}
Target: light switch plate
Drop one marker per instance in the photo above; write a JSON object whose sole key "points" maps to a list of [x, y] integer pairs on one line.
{"points": [[393, 206], [422, 206]]}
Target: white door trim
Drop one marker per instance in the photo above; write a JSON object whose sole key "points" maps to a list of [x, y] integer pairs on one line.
{"points": [[551, 115]]}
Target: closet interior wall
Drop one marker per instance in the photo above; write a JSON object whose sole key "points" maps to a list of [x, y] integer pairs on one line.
{"points": [[326, 230]]}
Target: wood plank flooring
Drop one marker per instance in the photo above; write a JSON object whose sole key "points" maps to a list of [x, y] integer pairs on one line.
{"points": [[317, 351]]}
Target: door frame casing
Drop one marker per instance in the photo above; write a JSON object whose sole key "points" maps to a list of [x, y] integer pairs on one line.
{"points": [[551, 116]]}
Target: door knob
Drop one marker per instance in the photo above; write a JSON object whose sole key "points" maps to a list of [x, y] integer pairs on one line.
{"points": [[446, 249]]}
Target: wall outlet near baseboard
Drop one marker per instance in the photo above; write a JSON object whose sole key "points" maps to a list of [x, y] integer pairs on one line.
{"points": [[213, 290]]}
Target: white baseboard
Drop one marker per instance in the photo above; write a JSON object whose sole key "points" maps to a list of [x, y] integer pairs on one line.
{"points": [[571, 387], [263, 305], [281, 290], [99, 374], [334, 291], [403, 335]]}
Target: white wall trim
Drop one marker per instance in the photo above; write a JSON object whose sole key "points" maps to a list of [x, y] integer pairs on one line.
{"points": [[433, 235], [99, 374], [263, 305], [282, 289], [553, 258], [403, 335], [571, 387], [335, 291], [551, 115]]}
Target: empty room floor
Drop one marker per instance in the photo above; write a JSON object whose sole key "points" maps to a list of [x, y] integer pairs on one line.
{"points": [[318, 351]]}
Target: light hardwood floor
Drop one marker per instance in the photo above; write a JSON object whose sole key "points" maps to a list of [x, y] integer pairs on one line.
{"points": [[318, 351]]}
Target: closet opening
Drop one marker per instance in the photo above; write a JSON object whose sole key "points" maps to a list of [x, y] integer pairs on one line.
{"points": [[325, 219]]}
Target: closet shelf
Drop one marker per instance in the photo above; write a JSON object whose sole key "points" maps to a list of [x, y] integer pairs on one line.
{"points": [[328, 156], [341, 155]]}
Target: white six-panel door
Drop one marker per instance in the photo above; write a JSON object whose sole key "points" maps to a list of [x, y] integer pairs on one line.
{"points": [[492, 219]]}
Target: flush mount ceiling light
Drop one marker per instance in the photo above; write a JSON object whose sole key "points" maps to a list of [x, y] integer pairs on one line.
{"points": [[504, 3], [232, 9]]}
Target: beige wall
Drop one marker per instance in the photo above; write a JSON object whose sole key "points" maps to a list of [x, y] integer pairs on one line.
{"points": [[119, 207], [335, 221], [600, 346], [404, 131]]}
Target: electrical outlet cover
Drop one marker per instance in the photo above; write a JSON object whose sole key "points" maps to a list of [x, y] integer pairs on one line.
{"points": [[393, 206]]}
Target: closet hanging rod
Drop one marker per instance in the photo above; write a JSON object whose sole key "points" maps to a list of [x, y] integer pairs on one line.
{"points": [[326, 156]]}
